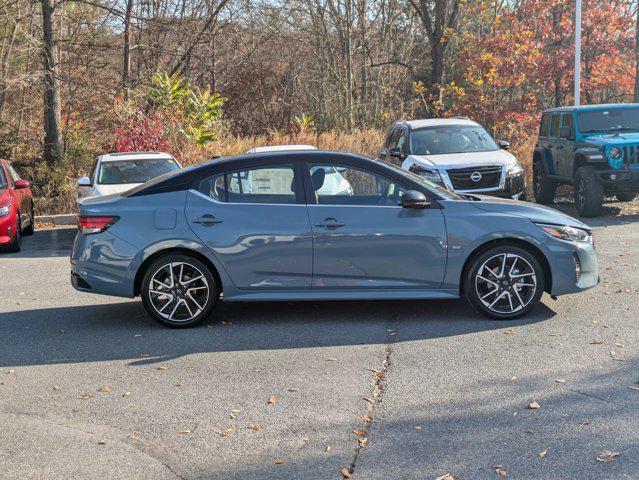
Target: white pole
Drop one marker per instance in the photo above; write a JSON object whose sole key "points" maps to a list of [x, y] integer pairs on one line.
{"points": [[578, 53]]}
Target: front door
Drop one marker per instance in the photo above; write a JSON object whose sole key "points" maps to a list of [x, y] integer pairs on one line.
{"points": [[364, 239], [255, 222]]}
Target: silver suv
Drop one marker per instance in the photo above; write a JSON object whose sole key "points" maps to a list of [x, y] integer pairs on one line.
{"points": [[457, 154]]}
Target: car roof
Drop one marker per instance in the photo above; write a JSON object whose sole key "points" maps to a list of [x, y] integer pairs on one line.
{"points": [[280, 148], [599, 106], [436, 122], [117, 156]]}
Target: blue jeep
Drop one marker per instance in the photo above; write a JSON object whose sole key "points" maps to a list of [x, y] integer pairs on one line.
{"points": [[595, 148]]}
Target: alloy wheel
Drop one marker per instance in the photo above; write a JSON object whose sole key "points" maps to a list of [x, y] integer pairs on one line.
{"points": [[178, 291], [506, 283]]}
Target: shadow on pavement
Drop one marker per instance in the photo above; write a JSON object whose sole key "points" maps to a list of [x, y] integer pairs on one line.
{"points": [[107, 332], [56, 242]]}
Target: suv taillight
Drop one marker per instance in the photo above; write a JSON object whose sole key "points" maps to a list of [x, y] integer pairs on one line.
{"points": [[91, 224]]}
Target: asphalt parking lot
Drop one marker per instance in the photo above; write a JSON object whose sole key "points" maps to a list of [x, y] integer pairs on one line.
{"points": [[91, 387]]}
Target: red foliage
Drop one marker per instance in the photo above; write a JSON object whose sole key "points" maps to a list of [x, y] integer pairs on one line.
{"points": [[137, 133]]}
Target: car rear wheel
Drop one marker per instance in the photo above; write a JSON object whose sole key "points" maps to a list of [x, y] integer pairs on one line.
{"points": [[543, 187], [179, 290], [588, 192], [504, 282], [625, 197]]}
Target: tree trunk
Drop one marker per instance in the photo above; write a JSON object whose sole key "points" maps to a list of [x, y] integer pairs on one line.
{"points": [[53, 146], [126, 67], [636, 93]]}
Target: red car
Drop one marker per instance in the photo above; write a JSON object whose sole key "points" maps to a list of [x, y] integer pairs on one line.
{"points": [[16, 207]]}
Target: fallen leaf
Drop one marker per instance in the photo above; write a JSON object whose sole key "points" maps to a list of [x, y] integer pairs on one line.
{"points": [[359, 432], [87, 395], [543, 453], [533, 405], [126, 394], [363, 419], [12, 370], [101, 442], [417, 427], [183, 432], [271, 400], [584, 422], [502, 473], [560, 380], [374, 370], [369, 400], [607, 456], [255, 426], [448, 476], [529, 430], [56, 388], [104, 390], [76, 408], [510, 331], [634, 389], [328, 448], [162, 367], [362, 441], [133, 435], [293, 389], [346, 473], [279, 461], [224, 433], [596, 341], [332, 359], [514, 377]]}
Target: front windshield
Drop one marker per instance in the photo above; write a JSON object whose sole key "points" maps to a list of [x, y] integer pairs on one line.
{"points": [[3, 179], [134, 171], [611, 120], [451, 139], [442, 192]]}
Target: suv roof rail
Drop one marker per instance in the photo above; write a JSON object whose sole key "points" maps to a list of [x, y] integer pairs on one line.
{"points": [[117, 154], [460, 117]]}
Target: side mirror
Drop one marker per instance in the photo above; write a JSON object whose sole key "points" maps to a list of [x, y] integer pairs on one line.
{"points": [[395, 152], [415, 199], [503, 144], [84, 182], [22, 184]]}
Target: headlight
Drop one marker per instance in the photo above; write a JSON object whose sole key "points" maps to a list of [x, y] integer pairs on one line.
{"points": [[572, 234], [615, 157], [4, 211], [514, 169]]}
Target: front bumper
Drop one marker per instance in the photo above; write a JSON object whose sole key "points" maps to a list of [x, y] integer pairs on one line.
{"points": [[509, 186], [574, 267], [619, 181], [7, 228]]}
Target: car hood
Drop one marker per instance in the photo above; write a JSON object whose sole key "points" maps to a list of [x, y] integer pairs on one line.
{"points": [[625, 138], [463, 160], [534, 212]]}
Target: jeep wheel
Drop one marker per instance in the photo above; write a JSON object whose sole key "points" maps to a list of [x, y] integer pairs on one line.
{"points": [[588, 192], [625, 197], [543, 187]]}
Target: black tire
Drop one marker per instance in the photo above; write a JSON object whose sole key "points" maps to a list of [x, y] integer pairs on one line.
{"points": [[179, 292], [625, 197], [16, 245], [528, 295], [588, 192], [31, 228], [543, 187]]}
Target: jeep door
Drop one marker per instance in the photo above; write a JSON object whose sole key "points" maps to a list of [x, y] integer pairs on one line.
{"points": [[253, 218], [564, 146], [553, 144], [365, 239]]}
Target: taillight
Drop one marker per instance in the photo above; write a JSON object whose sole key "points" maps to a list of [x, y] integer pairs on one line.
{"points": [[91, 224]]}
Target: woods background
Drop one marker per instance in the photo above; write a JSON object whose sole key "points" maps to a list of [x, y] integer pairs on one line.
{"points": [[214, 77]]}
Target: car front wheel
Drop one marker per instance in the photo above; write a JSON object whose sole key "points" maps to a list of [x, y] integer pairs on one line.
{"points": [[504, 282], [179, 290]]}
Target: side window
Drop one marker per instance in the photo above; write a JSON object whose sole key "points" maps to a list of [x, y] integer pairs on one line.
{"points": [[336, 184], [214, 187], [554, 125], [12, 173], [567, 130], [545, 122], [401, 140], [92, 174], [272, 184], [393, 138]]}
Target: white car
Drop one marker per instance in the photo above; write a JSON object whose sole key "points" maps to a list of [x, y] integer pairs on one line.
{"points": [[334, 182], [457, 154], [119, 172]]}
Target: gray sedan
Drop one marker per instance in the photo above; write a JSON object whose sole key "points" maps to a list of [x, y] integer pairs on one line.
{"points": [[260, 227]]}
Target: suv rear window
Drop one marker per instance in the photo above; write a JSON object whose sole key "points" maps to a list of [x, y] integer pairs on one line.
{"points": [[554, 125]]}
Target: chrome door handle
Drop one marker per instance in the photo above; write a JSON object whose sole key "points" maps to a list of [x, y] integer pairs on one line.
{"points": [[330, 223], [206, 220]]}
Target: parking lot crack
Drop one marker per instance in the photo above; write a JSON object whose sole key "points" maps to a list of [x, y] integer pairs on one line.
{"points": [[373, 402]]}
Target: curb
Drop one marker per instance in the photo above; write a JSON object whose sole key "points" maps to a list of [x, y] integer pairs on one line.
{"points": [[69, 219]]}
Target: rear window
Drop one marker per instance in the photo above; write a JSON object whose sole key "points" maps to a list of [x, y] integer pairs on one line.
{"points": [[134, 171]]}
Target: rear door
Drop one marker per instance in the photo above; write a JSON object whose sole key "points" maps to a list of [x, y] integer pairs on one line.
{"points": [[254, 220], [365, 239]]}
